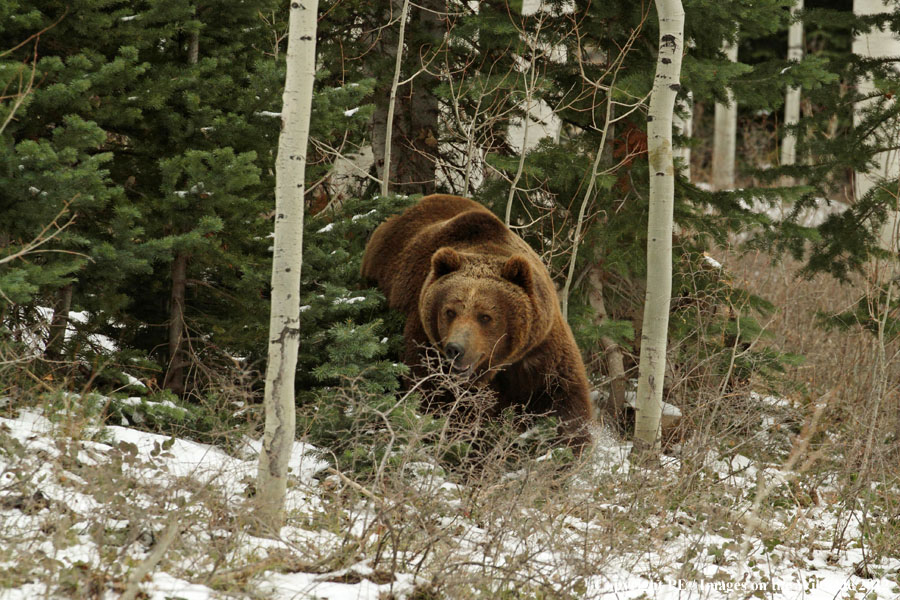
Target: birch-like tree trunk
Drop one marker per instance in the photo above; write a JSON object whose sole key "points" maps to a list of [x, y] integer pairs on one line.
{"points": [[659, 229], [725, 135], [878, 43], [792, 97], [284, 320]]}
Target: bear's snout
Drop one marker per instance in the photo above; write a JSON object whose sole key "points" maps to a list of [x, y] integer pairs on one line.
{"points": [[454, 351], [462, 355]]}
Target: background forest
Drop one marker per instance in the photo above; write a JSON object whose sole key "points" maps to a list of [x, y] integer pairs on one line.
{"points": [[137, 152]]}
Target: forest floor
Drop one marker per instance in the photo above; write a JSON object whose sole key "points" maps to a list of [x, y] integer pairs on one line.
{"points": [[97, 511]]}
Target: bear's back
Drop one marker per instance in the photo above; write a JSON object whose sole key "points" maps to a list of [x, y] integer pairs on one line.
{"points": [[398, 255]]}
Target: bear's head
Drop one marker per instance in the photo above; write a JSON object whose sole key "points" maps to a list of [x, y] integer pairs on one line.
{"points": [[477, 309]]}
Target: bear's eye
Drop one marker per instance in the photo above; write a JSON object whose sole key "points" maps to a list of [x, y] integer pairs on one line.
{"points": [[484, 319], [451, 314]]}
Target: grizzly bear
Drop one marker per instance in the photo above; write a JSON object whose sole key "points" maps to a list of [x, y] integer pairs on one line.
{"points": [[472, 288]]}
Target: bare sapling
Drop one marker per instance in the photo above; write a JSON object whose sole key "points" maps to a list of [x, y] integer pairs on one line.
{"points": [[386, 175], [610, 119]]}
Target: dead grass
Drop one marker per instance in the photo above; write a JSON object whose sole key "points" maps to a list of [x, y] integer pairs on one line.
{"points": [[859, 445]]}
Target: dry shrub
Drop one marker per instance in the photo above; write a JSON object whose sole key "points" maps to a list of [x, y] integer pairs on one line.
{"points": [[467, 503], [858, 375]]}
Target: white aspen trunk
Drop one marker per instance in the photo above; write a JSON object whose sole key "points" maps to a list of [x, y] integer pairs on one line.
{"points": [[792, 97], [651, 371], [878, 43], [725, 135], [389, 127], [284, 320], [685, 126]]}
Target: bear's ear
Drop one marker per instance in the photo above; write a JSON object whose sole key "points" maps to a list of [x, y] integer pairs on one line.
{"points": [[518, 271], [445, 261]]}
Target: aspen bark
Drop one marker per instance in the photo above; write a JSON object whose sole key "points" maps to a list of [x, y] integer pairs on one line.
{"points": [[659, 229], [792, 97], [685, 126], [725, 135], [878, 43], [284, 320]]}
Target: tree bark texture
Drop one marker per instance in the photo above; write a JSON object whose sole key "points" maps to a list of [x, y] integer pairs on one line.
{"points": [[659, 229], [725, 134], [392, 102], [178, 360], [414, 125], [56, 337], [284, 320], [685, 127], [878, 43], [792, 97], [615, 363]]}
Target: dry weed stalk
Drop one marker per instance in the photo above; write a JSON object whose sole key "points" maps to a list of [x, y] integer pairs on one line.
{"points": [[751, 521]]}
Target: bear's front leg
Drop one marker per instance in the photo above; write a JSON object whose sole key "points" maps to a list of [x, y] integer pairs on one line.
{"points": [[568, 396]]}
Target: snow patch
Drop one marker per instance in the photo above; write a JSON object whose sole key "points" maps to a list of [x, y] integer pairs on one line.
{"points": [[353, 300]]}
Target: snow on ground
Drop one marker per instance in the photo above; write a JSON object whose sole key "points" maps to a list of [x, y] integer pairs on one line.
{"points": [[82, 507]]}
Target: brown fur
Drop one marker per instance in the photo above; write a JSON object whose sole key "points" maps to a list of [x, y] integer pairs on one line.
{"points": [[478, 292]]}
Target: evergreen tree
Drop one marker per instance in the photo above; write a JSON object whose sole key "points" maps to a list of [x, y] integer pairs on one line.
{"points": [[55, 170], [348, 368], [160, 135]]}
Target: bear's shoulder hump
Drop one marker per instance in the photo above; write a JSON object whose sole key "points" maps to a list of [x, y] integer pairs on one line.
{"points": [[473, 225]]}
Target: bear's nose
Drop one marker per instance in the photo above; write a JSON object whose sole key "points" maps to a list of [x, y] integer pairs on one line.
{"points": [[453, 350]]}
